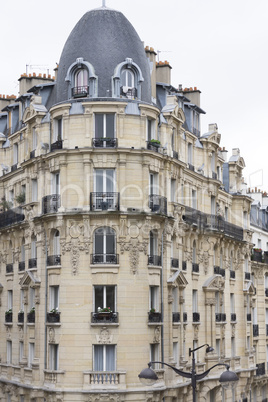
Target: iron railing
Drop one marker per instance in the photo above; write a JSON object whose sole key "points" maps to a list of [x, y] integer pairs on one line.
{"points": [[14, 167], [184, 317], [174, 262], [32, 154], [154, 260], [232, 274], [184, 265], [196, 317], [53, 260], [104, 142], [56, 145], [104, 317], [11, 217], [53, 317], [9, 268], [21, 266], [130, 93], [176, 317], [50, 203], [158, 204], [175, 155], [247, 276], [255, 328], [108, 201], [32, 263], [80, 92], [154, 317], [104, 259], [21, 317], [248, 317]]}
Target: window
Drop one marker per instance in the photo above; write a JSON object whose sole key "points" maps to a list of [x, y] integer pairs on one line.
{"points": [[176, 353], [245, 219], [212, 395], [31, 303], [195, 301], [22, 294], [33, 248], [217, 305], [154, 298], [194, 252], [213, 205], [104, 245], [173, 190], [233, 349], [56, 243], [194, 199], [9, 299], [104, 126], [53, 357], [104, 180], [15, 154], [190, 153], [11, 197], [127, 81], [53, 297], [31, 353], [218, 347], [21, 351], [151, 132], [104, 358], [175, 303], [55, 183], [232, 303], [213, 161], [34, 190], [153, 244], [226, 213], [154, 187], [154, 355], [9, 352], [57, 132], [104, 296], [80, 83]]}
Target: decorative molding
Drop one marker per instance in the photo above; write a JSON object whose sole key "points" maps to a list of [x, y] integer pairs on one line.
{"points": [[104, 338]]}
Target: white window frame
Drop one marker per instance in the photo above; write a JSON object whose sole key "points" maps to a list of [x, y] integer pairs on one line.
{"points": [[151, 129], [105, 356], [54, 297], [154, 298], [31, 354], [104, 301], [55, 183], [53, 357], [57, 131], [9, 352]]}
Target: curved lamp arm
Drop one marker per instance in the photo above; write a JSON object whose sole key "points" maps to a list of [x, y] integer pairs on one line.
{"points": [[202, 375]]}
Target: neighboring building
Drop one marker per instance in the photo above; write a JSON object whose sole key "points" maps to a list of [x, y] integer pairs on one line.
{"points": [[125, 235]]}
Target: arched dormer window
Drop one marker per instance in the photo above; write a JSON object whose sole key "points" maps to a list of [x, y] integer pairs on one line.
{"points": [[82, 80], [127, 80]]}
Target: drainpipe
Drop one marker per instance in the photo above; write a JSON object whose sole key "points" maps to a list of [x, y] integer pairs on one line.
{"points": [[162, 298], [45, 321]]}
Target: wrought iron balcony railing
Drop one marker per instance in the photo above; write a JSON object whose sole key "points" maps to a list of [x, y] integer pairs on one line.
{"points": [[260, 369], [248, 317], [32, 263], [233, 316], [9, 268], [80, 92], [53, 317], [129, 92], [184, 265], [31, 317], [11, 217], [21, 266], [255, 328], [219, 271], [154, 317], [195, 267], [232, 274], [21, 317], [105, 142], [8, 317], [104, 259], [56, 145], [174, 262], [158, 204], [154, 260], [247, 276], [104, 201], [50, 203], [220, 317], [104, 317], [176, 317], [196, 317], [53, 260]]}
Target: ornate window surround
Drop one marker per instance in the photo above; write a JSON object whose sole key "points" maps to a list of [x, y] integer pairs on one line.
{"points": [[116, 79], [92, 77]]}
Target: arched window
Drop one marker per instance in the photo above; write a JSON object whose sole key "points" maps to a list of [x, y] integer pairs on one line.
{"points": [[80, 88], [104, 246], [127, 80]]}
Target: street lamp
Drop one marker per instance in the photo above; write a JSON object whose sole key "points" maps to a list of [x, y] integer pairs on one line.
{"points": [[228, 379]]}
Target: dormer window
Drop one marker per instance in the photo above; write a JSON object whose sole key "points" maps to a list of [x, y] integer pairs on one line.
{"points": [[80, 88], [127, 80], [82, 80]]}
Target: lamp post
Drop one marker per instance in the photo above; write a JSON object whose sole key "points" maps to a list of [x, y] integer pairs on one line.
{"points": [[228, 379]]}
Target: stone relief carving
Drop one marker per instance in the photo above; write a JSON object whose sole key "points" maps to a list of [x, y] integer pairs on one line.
{"points": [[51, 335], [135, 248], [104, 337], [157, 334]]}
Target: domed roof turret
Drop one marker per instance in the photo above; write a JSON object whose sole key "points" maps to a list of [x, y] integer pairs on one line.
{"points": [[103, 41]]}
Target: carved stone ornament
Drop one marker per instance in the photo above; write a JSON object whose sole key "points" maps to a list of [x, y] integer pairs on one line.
{"points": [[16, 254], [188, 255], [51, 335], [104, 338], [211, 301], [105, 398], [196, 331], [157, 335], [8, 331], [233, 330], [75, 247], [135, 248]]}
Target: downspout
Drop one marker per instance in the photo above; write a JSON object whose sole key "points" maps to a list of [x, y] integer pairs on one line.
{"points": [[45, 321], [162, 303]]}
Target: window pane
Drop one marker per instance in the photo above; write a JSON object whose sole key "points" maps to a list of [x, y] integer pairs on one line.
{"points": [[98, 297], [99, 180], [109, 180], [110, 297], [110, 125], [98, 358], [99, 243], [98, 125], [110, 357], [110, 243]]}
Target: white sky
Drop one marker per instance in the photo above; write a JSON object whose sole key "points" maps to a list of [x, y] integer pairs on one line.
{"points": [[219, 46]]}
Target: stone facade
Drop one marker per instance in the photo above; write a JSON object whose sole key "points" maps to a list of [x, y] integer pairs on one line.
{"points": [[120, 241]]}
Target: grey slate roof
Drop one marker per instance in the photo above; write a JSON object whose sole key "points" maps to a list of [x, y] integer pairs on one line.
{"points": [[104, 38]]}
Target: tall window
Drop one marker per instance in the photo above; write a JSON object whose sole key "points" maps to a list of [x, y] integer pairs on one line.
{"points": [[9, 299], [53, 297], [151, 131], [153, 245], [22, 292], [57, 132], [15, 154], [33, 248], [31, 303], [194, 199], [176, 353], [80, 83], [104, 125], [195, 301], [213, 205], [34, 138], [55, 183], [190, 153], [21, 351], [233, 348], [173, 190], [175, 303], [154, 354], [105, 245], [34, 190], [53, 357], [154, 184], [104, 358], [56, 243], [104, 180], [127, 84], [194, 252], [31, 353], [154, 298], [104, 296], [9, 352]]}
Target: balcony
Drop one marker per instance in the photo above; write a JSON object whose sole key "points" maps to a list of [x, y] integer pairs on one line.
{"points": [[248, 317], [8, 316], [50, 204], [154, 260], [9, 268], [104, 379], [266, 292], [32, 263], [247, 276], [32, 154], [104, 201], [56, 145], [53, 317], [153, 145], [260, 369], [31, 317], [104, 318], [196, 317], [176, 317], [154, 316], [232, 274], [175, 155], [185, 317], [14, 167], [184, 265], [80, 92], [220, 317], [104, 259], [158, 204], [129, 92], [255, 328], [53, 260], [21, 266], [233, 317], [219, 271], [195, 267], [104, 142], [256, 255], [21, 317], [11, 216], [174, 263]]}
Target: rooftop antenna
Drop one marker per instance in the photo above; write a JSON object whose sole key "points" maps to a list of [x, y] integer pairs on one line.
{"points": [[162, 51]]}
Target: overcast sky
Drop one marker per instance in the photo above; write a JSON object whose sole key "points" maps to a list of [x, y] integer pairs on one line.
{"points": [[219, 46]]}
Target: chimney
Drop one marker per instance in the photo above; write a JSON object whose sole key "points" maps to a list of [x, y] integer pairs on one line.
{"points": [[213, 127], [235, 152], [163, 72]]}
